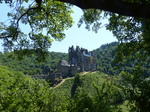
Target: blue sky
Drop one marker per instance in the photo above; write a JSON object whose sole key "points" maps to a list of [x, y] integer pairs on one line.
{"points": [[75, 36], [82, 37]]}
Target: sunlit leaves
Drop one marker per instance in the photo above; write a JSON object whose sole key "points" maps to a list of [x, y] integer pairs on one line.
{"points": [[54, 17], [92, 18], [45, 24], [124, 28], [19, 92]]}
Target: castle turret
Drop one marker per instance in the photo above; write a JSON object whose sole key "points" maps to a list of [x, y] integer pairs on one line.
{"points": [[82, 58]]}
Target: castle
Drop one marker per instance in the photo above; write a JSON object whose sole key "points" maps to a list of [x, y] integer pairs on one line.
{"points": [[80, 60]]}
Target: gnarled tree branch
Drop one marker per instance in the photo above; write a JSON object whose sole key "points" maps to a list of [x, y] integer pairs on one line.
{"points": [[116, 6]]}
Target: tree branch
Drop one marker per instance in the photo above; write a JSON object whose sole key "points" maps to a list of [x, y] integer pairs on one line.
{"points": [[17, 23], [116, 6]]}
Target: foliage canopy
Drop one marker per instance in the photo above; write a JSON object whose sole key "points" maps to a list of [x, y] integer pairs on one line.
{"points": [[48, 19], [19, 92], [46, 23]]}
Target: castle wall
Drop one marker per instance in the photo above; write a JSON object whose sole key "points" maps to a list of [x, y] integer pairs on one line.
{"points": [[73, 70], [64, 70], [81, 58]]}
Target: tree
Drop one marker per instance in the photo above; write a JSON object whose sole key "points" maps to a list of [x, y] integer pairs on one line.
{"points": [[128, 20], [29, 65], [50, 16], [19, 92]]}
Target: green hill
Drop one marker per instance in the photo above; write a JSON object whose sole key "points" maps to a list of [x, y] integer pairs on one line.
{"points": [[107, 90], [104, 55], [29, 65], [86, 92], [110, 62], [93, 91]]}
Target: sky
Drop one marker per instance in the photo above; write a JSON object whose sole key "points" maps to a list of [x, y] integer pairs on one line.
{"points": [[82, 37], [75, 36]]}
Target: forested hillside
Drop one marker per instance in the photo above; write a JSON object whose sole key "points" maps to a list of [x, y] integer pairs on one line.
{"points": [[90, 92], [110, 62], [127, 82], [105, 56], [29, 65], [106, 62], [28, 27]]}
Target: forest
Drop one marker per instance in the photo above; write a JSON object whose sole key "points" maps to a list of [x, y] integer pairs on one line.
{"points": [[109, 89], [107, 60], [29, 64], [104, 55]]}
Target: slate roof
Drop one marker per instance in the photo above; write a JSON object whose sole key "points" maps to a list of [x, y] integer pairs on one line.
{"points": [[63, 63]]}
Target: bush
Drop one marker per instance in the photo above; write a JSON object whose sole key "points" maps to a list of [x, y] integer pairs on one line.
{"points": [[20, 93]]}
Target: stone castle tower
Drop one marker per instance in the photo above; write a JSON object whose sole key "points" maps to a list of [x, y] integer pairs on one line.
{"points": [[80, 60]]}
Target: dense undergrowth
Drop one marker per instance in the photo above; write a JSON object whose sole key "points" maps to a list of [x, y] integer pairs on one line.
{"points": [[90, 92]]}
